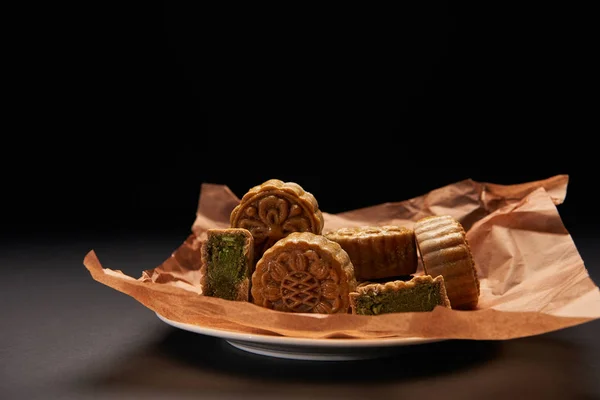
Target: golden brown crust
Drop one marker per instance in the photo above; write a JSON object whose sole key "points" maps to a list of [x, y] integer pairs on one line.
{"points": [[393, 286], [445, 251], [243, 288], [273, 210], [304, 272], [378, 251]]}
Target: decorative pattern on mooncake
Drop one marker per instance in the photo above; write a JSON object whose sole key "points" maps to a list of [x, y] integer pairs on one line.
{"points": [[445, 251], [421, 293], [378, 251], [227, 264], [304, 273], [273, 210]]}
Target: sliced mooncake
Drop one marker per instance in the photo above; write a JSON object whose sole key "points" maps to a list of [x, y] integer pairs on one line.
{"points": [[227, 264], [421, 293]]}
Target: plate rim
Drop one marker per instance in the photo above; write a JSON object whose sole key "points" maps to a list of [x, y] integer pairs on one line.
{"points": [[295, 341]]}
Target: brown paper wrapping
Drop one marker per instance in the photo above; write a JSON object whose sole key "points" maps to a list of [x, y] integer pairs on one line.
{"points": [[533, 279]]}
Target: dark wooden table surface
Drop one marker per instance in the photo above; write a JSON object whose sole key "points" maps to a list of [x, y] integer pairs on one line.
{"points": [[65, 336]]}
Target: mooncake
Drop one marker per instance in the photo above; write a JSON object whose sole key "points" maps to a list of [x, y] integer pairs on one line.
{"points": [[421, 293], [445, 251], [378, 251], [227, 264], [273, 210], [304, 273]]}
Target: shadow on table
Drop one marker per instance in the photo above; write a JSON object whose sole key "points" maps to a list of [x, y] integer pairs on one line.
{"points": [[185, 363]]}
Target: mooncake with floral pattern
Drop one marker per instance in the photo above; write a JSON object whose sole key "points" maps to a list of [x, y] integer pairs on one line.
{"points": [[273, 210], [304, 273]]}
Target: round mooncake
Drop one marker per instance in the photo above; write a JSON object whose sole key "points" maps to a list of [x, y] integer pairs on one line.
{"points": [[304, 273], [273, 210], [378, 251], [445, 251]]}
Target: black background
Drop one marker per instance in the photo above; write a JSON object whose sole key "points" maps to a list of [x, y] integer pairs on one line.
{"points": [[357, 106]]}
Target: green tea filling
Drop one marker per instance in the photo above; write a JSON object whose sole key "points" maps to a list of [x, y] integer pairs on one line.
{"points": [[416, 298], [227, 265]]}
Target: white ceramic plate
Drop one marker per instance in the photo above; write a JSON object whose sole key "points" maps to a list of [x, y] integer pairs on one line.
{"points": [[303, 348]]}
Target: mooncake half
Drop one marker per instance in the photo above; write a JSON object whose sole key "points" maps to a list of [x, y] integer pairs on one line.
{"points": [[273, 210], [227, 264], [378, 251], [304, 273], [421, 293], [445, 251]]}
